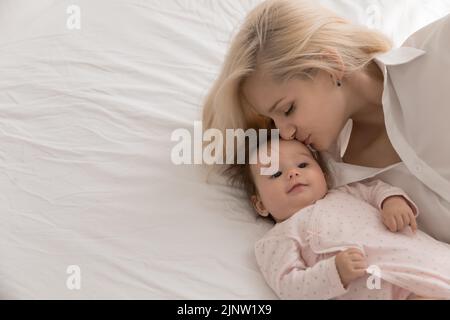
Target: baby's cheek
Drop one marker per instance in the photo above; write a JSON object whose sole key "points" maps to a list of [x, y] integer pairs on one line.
{"points": [[276, 202], [324, 189], [273, 198]]}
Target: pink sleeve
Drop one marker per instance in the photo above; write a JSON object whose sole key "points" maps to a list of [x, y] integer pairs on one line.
{"points": [[286, 273], [376, 191]]}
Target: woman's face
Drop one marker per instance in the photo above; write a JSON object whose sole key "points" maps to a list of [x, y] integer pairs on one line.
{"points": [[312, 111]]}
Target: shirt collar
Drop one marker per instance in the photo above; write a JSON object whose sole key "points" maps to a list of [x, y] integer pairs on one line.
{"points": [[393, 57], [399, 56]]}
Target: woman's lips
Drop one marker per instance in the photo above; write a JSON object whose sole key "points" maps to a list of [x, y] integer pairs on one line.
{"points": [[308, 140]]}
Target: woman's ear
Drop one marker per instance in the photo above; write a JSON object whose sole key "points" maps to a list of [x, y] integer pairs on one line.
{"points": [[333, 56], [259, 206]]}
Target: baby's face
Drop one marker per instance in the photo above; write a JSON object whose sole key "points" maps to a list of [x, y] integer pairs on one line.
{"points": [[299, 182]]}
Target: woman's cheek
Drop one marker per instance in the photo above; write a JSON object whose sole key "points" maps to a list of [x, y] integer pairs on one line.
{"points": [[324, 143]]}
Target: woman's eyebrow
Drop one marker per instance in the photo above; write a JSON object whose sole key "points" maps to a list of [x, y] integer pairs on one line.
{"points": [[275, 105]]}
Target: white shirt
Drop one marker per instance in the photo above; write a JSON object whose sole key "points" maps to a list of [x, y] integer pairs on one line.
{"points": [[416, 105]]}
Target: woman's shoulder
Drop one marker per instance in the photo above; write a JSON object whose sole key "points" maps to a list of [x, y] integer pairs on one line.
{"points": [[415, 101], [430, 41], [439, 29]]}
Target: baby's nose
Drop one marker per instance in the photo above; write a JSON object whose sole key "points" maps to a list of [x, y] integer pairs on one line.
{"points": [[293, 174]]}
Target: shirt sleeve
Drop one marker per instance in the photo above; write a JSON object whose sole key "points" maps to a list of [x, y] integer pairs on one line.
{"points": [[376, 191], [287, 274]]}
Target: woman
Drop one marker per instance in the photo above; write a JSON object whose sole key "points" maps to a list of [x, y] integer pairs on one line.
{"points": [[371, 111]]}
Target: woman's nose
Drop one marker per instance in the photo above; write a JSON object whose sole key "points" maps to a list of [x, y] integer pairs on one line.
{"points": [[287, 132]]}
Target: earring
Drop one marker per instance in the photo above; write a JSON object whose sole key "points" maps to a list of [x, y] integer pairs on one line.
{"points": [[339, 83]]}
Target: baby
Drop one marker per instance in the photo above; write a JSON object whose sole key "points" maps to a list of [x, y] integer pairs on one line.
{"points": [[325, 243]]}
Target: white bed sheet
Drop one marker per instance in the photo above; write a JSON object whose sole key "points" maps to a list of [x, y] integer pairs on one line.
{"points": [[85, 123]]}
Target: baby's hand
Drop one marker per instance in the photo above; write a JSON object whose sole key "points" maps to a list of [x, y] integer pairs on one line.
{"points": [[397, 214], [351, 265]]}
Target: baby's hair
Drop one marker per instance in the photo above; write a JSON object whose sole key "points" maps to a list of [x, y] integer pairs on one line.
{"points": [[240, 175]]}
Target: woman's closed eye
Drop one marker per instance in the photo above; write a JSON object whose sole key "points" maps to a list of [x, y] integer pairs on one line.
{"points": [[290, 110]]}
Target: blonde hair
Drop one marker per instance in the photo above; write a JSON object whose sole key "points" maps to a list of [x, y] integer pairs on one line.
{"points": [[285, 39]]}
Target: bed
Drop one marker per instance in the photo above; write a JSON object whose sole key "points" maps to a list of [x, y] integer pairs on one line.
{"points": [[91, 205]]}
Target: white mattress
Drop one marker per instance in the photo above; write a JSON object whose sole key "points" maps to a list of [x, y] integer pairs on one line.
{"points": [[86, 118]]}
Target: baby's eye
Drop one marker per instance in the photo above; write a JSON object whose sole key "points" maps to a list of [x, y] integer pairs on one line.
{"points": [[303, 165], [276, 175]]}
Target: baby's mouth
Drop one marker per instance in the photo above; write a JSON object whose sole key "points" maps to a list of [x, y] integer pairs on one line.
{"points": [[297, 187]]}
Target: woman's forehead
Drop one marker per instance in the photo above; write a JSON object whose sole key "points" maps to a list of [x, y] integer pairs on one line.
{"points": [[261, 91]]}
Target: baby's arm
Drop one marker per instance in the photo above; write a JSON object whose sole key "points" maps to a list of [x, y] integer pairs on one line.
{"points": [[397, 209], [286, 273]]}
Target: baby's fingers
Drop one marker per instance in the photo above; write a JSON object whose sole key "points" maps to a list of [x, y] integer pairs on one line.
{"points": [[361, 265], [406, 220], [353, 251], [399, 220], [412, 222], [357, 273], [357, 256], [391, 224]]}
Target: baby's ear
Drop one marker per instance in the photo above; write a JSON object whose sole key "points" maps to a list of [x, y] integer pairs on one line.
{"points": [[259, 206]]}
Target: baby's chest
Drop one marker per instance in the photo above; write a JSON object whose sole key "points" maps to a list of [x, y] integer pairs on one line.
{"points": [[344, 217]]}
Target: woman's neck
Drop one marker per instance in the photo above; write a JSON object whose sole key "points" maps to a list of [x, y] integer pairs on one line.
{"points": [[365, 92]]}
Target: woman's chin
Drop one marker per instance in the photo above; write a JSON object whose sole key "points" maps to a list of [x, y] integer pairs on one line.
{"points": [[321, 146], [316, 147]]}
